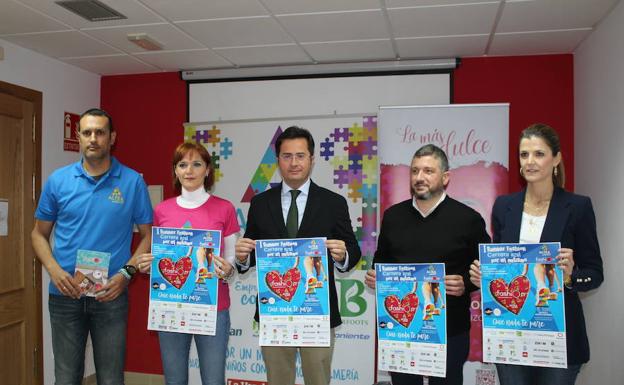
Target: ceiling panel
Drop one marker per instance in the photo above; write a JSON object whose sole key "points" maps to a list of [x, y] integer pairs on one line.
{"points": [[307, 6], [135, 12], [201, 9], [111, 65], [62, 44], [351, 50], [169, 37], [173, 61], [359, 25], [237, 32], [428, 3], [444, 46], [552, 14], [230, 33], [265, 55], [530, 43], [443, 21], [16, 18]]}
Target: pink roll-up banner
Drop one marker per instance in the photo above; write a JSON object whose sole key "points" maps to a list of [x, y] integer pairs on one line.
{"points": [[475, 138]]}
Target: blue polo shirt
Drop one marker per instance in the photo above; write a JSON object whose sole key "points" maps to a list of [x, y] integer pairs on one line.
{"points": [[91, 214]]}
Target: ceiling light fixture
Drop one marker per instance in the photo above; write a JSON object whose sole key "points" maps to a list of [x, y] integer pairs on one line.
{"points": [[320, 70], [144, 41]]}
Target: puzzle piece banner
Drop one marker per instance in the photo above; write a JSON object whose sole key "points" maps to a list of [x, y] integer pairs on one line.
{"points": [[184, 285], [293, 292], [523, 305], [411, 318], [346, 162], [475, 138]]}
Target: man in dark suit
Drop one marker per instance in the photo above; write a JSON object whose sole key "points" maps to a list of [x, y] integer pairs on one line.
{"points": [[298, 208]]}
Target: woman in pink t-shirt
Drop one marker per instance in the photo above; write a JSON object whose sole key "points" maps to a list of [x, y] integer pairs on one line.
{"points": [[193, 176]]}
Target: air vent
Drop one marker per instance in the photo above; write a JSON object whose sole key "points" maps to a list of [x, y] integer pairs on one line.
{"points": [[91, 10]]}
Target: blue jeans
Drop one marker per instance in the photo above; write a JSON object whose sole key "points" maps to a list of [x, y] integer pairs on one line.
{"points": [[533, 375], [175, 347], [72, 320]]}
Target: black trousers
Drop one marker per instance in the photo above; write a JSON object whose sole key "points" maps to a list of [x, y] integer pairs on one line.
{"points": [[457, 353]]}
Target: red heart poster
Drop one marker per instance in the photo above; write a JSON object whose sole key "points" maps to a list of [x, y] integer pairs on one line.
{"points": [[284, 285], [402, 311], [176, 274], [512, 296]]}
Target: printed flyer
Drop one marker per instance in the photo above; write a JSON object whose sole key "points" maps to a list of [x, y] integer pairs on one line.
{"points": [[91, 272], [293, 292], [184, 285], [523, 305], [411, 318]]}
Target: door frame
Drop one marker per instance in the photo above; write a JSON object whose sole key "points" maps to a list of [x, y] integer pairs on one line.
{"points": [[35, 97]]}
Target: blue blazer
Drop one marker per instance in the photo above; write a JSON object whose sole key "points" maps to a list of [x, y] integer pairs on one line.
{"points": [[571, 221]]}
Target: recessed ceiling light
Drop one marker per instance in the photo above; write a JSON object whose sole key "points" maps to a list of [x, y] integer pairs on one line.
{"points": [[144, 41]]}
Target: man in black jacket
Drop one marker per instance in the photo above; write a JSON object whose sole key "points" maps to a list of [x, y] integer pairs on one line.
{"points": [[298, 208]]}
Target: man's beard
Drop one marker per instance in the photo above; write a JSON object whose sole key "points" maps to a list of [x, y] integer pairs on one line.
{"points": [[426, 195]]}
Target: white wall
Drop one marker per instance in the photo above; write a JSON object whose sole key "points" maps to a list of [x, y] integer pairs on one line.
{"points": [[64, 88], [599, 137]]}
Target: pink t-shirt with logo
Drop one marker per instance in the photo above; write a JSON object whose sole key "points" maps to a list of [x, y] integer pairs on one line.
{"points": [[215, 214]]}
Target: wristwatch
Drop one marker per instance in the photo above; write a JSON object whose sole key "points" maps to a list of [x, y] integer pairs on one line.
{"points": [[128, 271]]}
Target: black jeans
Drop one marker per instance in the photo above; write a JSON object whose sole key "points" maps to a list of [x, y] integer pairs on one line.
{"points": [[532, 375]]}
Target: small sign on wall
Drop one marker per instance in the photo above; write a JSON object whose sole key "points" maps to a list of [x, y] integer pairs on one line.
{"points": [[70, 141], [4, 217]]}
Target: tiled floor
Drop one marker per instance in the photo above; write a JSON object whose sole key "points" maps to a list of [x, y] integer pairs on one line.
{"points": [[132, 378]]}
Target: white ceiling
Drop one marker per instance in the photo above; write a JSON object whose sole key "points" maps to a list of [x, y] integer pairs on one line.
{"points": [[202, 34]]}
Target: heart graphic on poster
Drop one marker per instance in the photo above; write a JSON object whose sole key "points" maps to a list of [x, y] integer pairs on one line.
{"points": [[176, 274], [284, 285], [512, 296], [402, 311]]}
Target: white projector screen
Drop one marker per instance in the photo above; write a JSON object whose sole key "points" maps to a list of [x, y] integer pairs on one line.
{"points": [[270, 99]]}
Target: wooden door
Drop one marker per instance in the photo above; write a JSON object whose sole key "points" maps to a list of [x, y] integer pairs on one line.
{"points": [[20, 273]]}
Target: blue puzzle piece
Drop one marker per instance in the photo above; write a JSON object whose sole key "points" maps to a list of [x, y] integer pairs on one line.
{"points": [[226, 148], [355, 161], [327, 149], [368, 191]]}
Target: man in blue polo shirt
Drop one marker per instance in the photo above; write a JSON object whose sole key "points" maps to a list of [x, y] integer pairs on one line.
{"points": [[91, 205]]}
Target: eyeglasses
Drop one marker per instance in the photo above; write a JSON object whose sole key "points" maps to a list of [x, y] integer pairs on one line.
{"points": [[287, 157], [99, 132], [185, 165]]}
